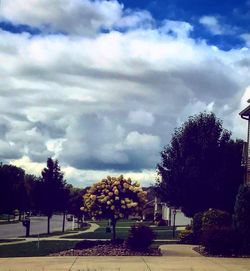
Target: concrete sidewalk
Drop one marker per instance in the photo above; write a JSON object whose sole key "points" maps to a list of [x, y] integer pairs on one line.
{"points": [[178, 251], [170, 263]]}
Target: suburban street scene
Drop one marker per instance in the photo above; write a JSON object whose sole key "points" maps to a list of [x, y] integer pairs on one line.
{"points": [[124, 135]]}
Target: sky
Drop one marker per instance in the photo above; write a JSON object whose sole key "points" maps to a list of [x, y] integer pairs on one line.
{"points": [[101, 85]]}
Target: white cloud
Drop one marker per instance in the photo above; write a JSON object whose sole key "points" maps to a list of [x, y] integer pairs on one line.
{"points": [[110, 101], [179, 28], [246, 38], [136, 140], [212, 24], [141, 117], [79, 17]]}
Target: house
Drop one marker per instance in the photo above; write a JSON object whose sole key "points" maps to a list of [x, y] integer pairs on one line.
{"points": [[155, 209], [245, 114]]}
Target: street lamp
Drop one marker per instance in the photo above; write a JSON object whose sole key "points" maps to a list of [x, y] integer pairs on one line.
{"points": [[245, 114], [174, 213]]}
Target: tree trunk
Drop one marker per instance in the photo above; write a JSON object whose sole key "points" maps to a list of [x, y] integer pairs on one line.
{"points": [[114, 229], [63, 225], [48, 225]]}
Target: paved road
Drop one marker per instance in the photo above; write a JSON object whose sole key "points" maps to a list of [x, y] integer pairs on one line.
{"points": [[38, 225]]}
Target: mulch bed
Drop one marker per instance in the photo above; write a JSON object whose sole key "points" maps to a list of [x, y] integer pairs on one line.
{"points": [[201, 250], [91, 248]]}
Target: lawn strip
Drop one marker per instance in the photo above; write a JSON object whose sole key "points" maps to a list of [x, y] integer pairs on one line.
{"points": [[31, 249]]}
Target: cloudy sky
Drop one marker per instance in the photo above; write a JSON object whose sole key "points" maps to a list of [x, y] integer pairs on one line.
{"points": [[101, 85]]}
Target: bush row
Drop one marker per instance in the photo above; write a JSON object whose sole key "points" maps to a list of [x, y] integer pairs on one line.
{"points": [[221, 233]]}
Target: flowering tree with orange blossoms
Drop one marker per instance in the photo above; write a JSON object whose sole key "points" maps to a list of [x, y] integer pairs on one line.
{"points": [[114, 198]]}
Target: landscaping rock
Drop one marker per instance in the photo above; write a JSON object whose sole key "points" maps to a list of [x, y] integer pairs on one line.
{"points": [[107, 250]]}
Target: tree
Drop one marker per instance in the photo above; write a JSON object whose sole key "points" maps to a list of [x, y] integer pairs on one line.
{"points": [[13, 194], [114, 198], [53, 190], [75, 201], [33, 186], [201, 167], [242, 215]]}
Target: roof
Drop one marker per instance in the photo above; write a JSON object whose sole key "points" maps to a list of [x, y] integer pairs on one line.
{"points": [[245, 112]]}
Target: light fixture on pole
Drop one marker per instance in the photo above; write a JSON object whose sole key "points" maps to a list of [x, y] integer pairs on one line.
{"points": [[245, 114]]}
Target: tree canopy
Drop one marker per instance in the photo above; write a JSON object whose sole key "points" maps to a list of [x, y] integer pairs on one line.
{"points": [[13, 194], [114, 198], [53, 189], [201, 167]]}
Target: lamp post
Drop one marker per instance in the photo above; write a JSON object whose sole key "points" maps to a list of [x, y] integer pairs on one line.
{"points": [[174, 213], [245, 114]]}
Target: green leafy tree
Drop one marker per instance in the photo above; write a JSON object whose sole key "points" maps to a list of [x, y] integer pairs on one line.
{"points": [[75, 201], [201, 167], [114, 198], [13, 194], [242, 215], [33, 188], [53, 190]]}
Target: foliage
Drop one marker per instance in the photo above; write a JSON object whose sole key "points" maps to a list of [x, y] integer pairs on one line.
{"points": [[200, 165], [114, 198], [197, 226], [53, 190], [242, 215], [140, 237], [216, 218], [75, 201], [158, 220], [13, 194], [33, 188], [221, 240], [187, 237]]}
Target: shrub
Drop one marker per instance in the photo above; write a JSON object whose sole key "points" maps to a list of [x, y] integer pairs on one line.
{"points": [[242, 216], [140, 237], [215, 217], [158, 220], [187, 237], [197, 226], [221, 241]]}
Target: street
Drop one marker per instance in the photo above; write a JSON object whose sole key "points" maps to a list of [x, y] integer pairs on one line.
{"points": [[38, 225]]}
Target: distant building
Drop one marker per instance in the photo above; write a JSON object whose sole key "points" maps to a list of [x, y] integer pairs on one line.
{"points": [[155, 208], [245, 114]]}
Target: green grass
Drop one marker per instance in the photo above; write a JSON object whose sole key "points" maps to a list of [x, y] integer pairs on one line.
{"points": [[100, 233], [120, 223], [162, 232], [5, 217], [56, 233], [30, 249], [10, 240], [9, 222]]}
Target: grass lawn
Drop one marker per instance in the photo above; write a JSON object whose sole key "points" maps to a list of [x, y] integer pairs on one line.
{"points": [[10, 240], [30, 249], [9, 222], [56, 233], [5, 217], [122, 229]]}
